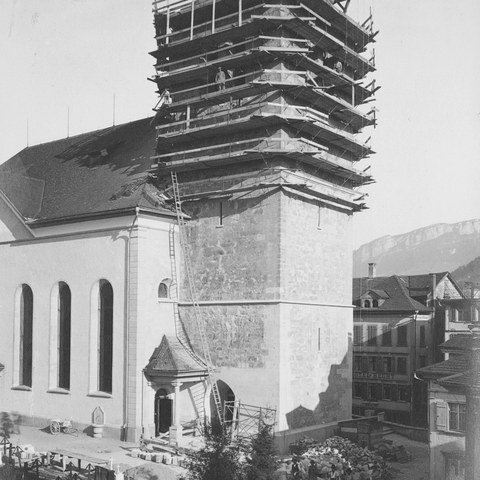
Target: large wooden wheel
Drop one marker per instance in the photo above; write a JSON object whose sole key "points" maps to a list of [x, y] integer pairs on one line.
{"points": [[54, 427]]}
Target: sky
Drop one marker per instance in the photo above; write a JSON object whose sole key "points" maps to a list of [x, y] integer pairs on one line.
{"points": [[71, 66]]}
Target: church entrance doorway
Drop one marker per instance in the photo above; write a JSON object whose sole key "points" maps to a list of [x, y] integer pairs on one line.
{"points": [[226, 395], [163, 412]]}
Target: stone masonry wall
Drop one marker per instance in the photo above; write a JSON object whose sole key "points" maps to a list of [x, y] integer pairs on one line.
{"points": [[236, 257], [272, 268]]}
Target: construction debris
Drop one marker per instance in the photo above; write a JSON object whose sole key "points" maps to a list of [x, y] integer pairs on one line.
{"points": [[340, 455], [395, 453]]}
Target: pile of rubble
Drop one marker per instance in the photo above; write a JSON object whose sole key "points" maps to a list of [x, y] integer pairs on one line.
{"points": [[342, 456], [395, 453]]}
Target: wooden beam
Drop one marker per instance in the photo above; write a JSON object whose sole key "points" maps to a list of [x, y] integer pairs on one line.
{"points": [[192, 19], [167, 38], [213, 16]]}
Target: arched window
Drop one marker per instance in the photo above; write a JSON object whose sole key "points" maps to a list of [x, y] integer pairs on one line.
{"points": [[366, 303], [64, 335], [105, 347], [164, 289], [375, 303], [26, 336]]}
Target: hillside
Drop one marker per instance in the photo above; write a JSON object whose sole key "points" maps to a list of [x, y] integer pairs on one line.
{"points": [[468, 273], [439, 247]]}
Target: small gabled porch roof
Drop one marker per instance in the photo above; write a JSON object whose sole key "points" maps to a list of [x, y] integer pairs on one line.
{"points": [[171, 360]]}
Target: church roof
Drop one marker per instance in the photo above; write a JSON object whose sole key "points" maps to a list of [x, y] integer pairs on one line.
{"points": [[94, 173], [171, 358]]}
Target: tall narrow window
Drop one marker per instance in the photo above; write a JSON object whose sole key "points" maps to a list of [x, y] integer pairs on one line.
{"points": [[457, 417], [387, 364], [386, 335], [357, 334], [105, 342], [64, 335], [320, 218], [422, 335], [26, 336], [357, 363], [319, 340], [402, 336], [402, 365], [372, 335], [220, 215]]}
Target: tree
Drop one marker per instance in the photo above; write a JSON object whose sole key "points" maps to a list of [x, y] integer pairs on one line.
{"points": [[262, 462], [218, 460]]}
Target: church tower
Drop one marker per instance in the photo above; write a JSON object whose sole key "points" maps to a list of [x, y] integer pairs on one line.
{"points": [[260, 114]]}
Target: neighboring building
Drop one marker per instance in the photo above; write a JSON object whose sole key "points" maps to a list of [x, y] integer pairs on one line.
{"points": [[92, 314], [398, 324], [454, 409]]}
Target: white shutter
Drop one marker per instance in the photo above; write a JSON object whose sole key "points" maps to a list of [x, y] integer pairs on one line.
{"points": [[441, 416]]}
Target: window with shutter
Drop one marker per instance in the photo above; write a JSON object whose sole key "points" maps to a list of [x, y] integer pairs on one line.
{"points": [[440, 416]]}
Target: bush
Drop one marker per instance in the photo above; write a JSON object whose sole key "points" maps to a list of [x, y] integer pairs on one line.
{"points": [[218, 460], [262, 461]]}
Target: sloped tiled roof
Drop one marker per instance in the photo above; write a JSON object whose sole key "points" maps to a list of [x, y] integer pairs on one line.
{"points": [[394, 289], [448, 367], [458, 342], [170, 358], [100, 171], [421, 285], [461, 380], [380, 293], [422, 282]]}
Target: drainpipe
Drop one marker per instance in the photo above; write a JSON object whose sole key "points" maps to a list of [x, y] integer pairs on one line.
{"points": [[414, 364], [127, 318], [434, 327]]}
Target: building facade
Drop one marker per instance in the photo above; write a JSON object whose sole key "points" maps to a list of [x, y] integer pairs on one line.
{"points": [[454, 407], [399, 323], [260, 116]]}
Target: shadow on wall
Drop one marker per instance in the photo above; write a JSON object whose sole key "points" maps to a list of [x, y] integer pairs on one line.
{"points": [[331, 401]]}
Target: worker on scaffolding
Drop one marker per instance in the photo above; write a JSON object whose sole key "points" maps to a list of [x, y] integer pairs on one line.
{"points": [[167, 99], [220, 79]]}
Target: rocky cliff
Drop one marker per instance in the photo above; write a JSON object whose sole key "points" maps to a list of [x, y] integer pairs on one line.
{"points": [[439, 247]]}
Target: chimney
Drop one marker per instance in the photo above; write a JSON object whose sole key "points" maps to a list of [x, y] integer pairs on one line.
{"points": [[434, 288], [372, 270]]}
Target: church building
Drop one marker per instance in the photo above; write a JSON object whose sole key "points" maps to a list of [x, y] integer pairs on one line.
{"points": [[163, 268]]}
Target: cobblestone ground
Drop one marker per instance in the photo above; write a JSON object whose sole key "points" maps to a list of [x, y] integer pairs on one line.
{"points": [[417, 469]]}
